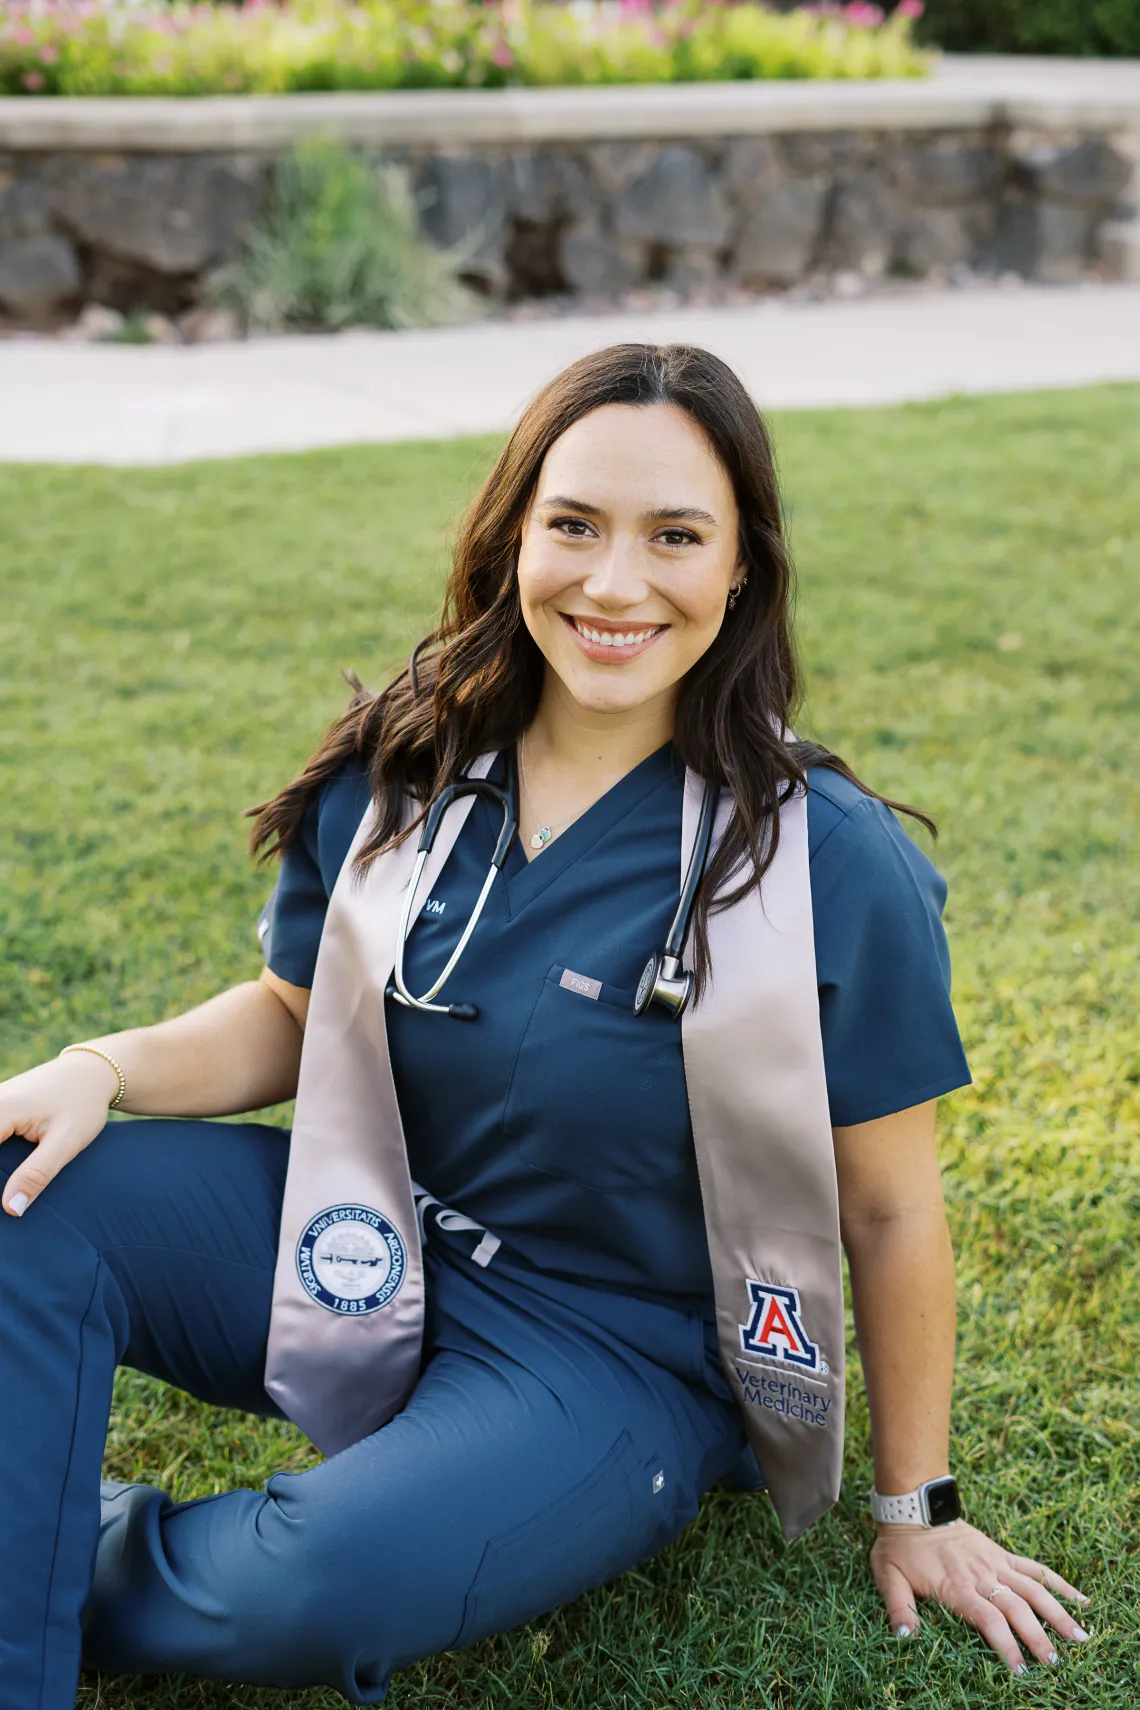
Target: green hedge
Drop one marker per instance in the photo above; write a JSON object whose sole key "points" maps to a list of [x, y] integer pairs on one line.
{"points": [[1092, 27], [78, 47]]}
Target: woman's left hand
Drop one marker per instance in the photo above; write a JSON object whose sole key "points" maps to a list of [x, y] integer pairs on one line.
{"points": [[1005, 1597]]}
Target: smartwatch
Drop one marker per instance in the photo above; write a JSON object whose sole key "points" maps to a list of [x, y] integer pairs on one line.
{"points": [[932, 1504]]}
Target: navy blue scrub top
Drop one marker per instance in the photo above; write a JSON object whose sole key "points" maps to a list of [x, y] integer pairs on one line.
{"points": [[561, 1121]]}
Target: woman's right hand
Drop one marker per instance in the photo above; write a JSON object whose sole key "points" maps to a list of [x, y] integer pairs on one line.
{"points": [[61, 1106]]}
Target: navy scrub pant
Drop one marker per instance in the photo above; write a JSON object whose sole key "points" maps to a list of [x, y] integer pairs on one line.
{"points": [[558, 1435]]}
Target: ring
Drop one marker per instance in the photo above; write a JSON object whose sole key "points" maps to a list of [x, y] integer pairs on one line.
{"points": [[990, 1595]]}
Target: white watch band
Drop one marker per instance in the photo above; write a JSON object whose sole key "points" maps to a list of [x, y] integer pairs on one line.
{"points": [[905, 1510]]}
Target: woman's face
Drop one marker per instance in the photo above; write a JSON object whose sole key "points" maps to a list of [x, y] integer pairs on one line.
{"points": [[629, 549]]}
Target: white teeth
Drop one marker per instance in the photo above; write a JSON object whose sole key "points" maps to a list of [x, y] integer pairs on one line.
{"points": [[613, 638]]}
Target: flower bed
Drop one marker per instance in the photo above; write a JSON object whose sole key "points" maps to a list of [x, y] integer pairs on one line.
{"points": [[82, 47]]}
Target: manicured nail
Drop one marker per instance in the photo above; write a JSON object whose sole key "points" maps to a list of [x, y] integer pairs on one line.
{"points": [[1021, 1668], [1052, 1657], [1079, 1633], [902, 1632], [1080, 1597], [19, 1203]]}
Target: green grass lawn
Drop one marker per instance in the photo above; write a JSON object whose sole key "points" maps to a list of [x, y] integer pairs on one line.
{"points": [[970, 575]]}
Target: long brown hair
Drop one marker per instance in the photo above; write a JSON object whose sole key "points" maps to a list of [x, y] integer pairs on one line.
{"points": [[474, 683]]}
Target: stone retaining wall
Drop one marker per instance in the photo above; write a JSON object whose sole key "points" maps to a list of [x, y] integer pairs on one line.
{"points": [[594, 192]]}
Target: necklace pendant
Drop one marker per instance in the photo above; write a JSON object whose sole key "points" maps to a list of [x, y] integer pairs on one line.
{"points": [[541, 837]]}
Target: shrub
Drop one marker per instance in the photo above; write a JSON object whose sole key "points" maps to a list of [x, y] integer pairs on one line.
{"points": [[139, 47], [1035, 26], [341, 246]]}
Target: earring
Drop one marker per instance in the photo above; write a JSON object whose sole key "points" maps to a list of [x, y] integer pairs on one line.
{"points": [[734, 594]]}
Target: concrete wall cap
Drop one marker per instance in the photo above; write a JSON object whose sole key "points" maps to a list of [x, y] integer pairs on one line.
{"points": [[951, 100]]}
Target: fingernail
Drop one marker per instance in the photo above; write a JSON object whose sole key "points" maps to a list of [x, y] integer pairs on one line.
{"points": [[1021, 1668], [19, 1203], [1080, 1597], [902, 1632], [1052, 1657], [1079, 1633]]}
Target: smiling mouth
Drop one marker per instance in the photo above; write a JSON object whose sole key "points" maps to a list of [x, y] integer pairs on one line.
{"points": [[611, 642]]}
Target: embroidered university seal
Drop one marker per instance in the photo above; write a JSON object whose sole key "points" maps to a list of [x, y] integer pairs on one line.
{"points": [[351, 1260]]}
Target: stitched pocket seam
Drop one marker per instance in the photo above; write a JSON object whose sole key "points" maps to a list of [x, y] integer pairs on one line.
{"points": [[512, 1131], [491, 1573]]}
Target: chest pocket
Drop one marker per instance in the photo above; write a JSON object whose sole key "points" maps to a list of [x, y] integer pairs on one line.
{"points": [[597, 1094]]}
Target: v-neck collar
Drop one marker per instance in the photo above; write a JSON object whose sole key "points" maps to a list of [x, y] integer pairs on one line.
{"points": [[524, 880]]}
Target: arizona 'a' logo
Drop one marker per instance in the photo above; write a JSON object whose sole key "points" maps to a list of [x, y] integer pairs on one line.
{"points": [[775, 1328]]}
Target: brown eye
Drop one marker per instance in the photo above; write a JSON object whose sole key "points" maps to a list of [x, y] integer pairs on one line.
{"points": [[576, 528], [678, 537]]}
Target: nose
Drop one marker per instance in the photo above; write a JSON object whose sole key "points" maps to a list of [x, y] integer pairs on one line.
{"points": [[616, 577]]}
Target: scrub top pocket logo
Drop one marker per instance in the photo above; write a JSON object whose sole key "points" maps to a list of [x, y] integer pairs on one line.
{"points": [[351, 1260]]}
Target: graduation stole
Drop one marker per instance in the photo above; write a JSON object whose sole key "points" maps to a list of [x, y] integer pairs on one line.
{"points": [[346, 1329]]}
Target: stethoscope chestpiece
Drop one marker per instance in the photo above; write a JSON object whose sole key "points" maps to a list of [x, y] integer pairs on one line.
{"points": [[664, 981]]}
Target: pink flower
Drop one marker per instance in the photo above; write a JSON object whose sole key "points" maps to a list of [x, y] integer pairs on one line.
{"points": [[637, 5], [863, 17], [909, 9], [502, 56], [33, 80], [49, 53], [23, 36]]}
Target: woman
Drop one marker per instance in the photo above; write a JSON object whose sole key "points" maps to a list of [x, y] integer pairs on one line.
{"points": [[629, 1288]]}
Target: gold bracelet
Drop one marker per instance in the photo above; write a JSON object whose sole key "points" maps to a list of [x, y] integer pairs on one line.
{"points": [[97, 1051]]}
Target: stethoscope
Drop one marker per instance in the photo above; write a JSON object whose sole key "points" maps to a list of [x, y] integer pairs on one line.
{"points": [[665, 980]]}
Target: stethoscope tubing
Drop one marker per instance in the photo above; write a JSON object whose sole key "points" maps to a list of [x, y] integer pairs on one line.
{"points": [[666, 967], [698, 861], [425, 1000], [449, 794]]}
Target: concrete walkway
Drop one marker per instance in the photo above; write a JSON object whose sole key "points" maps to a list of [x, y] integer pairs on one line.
{"points": [[146, 405]]}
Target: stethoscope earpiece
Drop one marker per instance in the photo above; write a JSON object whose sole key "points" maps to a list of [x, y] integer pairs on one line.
{"points": [[457, 1011]]}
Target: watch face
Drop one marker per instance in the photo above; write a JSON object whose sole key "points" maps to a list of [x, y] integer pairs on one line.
{"points": [[942, 1502]]}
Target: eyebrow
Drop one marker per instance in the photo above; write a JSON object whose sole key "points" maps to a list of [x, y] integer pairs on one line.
{"points": [[663, 513]]}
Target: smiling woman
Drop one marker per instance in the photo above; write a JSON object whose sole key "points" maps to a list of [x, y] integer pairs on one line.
{"points": [[651, 472], [538, 1268], [622, 580], [608, 580]]}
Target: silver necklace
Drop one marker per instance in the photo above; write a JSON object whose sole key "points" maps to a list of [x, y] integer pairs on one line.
{"points": [[540, 838]]}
